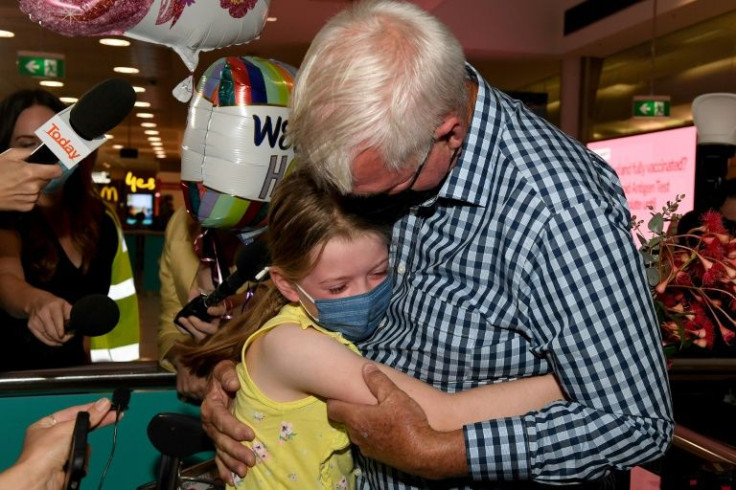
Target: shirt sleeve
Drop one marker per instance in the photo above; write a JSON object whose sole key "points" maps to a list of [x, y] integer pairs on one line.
{"points": [[593, 319]]}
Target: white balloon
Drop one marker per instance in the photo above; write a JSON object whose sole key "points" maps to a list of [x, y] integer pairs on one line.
{"points": [[239, 150]]}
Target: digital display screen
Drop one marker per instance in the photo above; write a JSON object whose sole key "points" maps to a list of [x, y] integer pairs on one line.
{"points": [[653, 168], [140, 209]]}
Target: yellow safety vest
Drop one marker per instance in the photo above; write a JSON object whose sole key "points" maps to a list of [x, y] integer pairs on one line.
{"points": [[122, 343]]}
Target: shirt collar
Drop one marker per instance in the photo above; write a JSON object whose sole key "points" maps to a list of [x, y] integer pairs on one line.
{"points": [[464, 181]]}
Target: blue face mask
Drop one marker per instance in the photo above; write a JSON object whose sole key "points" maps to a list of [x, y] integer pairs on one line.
{"points": [[57, 183], [355, 317]]}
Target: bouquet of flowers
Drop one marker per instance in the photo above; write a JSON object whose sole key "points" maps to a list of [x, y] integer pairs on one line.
{"points": [[692, 278]]}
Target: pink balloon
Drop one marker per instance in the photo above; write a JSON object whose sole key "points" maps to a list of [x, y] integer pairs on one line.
{"points": [[187, 26], [86, 17]]}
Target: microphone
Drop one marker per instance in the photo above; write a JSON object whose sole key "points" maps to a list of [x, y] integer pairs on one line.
{"points": [[72, 134], [250, 264], [93, 315]]}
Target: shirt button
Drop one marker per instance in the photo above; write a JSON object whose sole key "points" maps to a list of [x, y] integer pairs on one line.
{"points": [[401, 269]]}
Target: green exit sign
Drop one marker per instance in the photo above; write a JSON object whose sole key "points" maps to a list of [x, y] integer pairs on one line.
{"points": [[46, 65], [651, 106]]}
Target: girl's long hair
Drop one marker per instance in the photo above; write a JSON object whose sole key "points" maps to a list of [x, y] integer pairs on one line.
{"points": [[302, 218]]}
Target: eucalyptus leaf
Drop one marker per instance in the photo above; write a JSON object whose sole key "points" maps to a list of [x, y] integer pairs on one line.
{"points": [[656, 224], [653, 276]]}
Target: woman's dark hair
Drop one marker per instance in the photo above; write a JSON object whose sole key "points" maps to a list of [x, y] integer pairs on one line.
{"points": [[80, 200], [14, 104]]}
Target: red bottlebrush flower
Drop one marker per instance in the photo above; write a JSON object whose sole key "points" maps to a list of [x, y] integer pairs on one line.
{"points": [[696, 293], [727, 335], [713, 249], [713, 274], [710, 333], [683, 279], [712, 222]]}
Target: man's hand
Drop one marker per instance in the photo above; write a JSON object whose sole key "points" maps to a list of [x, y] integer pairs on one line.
{"points": [[224, 429], [396, 431], [22, 181]]}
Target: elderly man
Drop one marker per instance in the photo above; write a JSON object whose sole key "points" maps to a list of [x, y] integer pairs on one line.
{"points": [[513, 258]]}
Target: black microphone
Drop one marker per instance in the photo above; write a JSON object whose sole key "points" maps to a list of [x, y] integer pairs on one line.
{"points": [[68, 135], [93, 315], [120, 398], [250, 263]]}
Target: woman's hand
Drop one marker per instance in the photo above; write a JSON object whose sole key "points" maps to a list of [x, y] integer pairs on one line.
{"points": [[46, 447], [47, 317], [22, 181]]}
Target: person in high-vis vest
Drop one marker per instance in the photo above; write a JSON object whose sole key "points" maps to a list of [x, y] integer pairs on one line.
{"points": [[122, 343], [67, 247]]}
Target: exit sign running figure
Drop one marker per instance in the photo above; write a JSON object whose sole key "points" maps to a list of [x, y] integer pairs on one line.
{"points": [[651, 106]]}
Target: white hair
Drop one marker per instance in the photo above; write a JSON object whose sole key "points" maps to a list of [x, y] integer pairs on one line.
{"points": [[382, 75]]}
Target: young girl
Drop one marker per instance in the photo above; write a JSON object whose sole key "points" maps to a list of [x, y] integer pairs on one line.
{"points": [[330, 285]]}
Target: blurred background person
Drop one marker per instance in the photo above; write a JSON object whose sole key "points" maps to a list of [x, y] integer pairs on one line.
{"points": [[233, 156], [69, 246], [724, 201], [184, 274]]}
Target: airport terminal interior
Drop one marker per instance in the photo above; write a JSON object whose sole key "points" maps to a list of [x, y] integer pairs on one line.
{"points": [[620, 76]]}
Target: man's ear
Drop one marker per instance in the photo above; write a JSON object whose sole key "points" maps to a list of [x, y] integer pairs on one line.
{"points": [[452, 130], [286, 287]]}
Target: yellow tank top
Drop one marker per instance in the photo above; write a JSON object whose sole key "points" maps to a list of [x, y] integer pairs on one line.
{"points": [[296, 446]]}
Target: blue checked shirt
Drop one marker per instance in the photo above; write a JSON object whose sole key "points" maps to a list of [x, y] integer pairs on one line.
{"points": [[523, 265]]}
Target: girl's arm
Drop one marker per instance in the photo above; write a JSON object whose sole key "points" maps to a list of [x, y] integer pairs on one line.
{"points": [[288, 362]]}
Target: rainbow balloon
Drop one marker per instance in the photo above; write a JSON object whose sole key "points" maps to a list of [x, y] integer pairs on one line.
{"points": [[213, 209], [234, 150]]}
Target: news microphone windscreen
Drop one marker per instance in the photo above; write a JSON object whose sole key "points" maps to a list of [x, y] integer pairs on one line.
{"points": [[93, 315], [249, 261], [101, 108]]}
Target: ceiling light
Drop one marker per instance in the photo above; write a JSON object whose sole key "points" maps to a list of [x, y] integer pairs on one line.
{"points": [[158, 155], [68, 100], [144, 115], [271, 19], [138, 90], [151, 132], [129, 70], [109, 41], [141, 103], [148, 124], [51, 83], [109, 136], [154, 138], [117, 147], [7, 34]]}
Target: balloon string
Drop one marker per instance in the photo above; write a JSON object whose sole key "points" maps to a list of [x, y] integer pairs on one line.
{"points": [[205, 246]]}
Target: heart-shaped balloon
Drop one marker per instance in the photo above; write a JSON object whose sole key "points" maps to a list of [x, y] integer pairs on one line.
{"points": [[187, 26]]}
